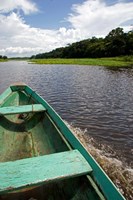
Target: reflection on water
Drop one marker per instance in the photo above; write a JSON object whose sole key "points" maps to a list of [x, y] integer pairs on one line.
{"points": [[93, 98]]}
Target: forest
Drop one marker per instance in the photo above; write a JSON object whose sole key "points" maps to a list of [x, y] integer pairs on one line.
{"points": [[3, 57], [116, 43]]}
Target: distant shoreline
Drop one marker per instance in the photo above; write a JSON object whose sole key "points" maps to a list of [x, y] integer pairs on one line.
{"points": [[124, 61], [112, 62]]}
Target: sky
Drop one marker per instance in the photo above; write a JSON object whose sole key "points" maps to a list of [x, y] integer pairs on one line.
{"points": [[29, 27]]}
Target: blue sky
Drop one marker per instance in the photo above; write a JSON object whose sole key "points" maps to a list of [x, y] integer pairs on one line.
{"points": [[52, 13], [29, 27]]}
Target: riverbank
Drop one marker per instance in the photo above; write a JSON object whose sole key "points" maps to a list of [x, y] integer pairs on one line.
{"points": [[125, 61], [3, 60]]}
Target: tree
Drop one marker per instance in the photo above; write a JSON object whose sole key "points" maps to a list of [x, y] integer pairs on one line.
{"points": [[129, 46], [115, 42], [4, 57]]}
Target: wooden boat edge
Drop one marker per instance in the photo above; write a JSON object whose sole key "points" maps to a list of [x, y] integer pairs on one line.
{"points": [[107, 186]]}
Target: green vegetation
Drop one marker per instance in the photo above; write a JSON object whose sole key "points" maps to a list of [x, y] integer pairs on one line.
{"points": [[116, 43], [3, 58], [125, 61]]}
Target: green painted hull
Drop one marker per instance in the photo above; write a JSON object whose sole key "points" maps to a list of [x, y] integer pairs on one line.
{"points": [[35, 134]]}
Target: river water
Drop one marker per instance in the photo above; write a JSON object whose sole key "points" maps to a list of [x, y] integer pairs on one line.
{"points": [[96, 99]]}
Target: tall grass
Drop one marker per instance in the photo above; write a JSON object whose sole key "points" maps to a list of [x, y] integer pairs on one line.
{"points": [[125, 61]]}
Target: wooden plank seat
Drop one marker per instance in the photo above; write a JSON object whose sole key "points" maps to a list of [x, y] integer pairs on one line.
{"points": [[22, 109], [43, 169]]}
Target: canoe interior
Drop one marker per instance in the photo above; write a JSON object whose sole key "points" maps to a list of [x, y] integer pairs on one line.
{"points": [[35, 134], [28, 135]]}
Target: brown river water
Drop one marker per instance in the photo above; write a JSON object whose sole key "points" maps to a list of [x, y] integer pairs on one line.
{"points": [[97, 104]]}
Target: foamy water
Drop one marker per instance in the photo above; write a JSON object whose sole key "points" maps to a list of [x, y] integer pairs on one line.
{"points": [[119, 172]]}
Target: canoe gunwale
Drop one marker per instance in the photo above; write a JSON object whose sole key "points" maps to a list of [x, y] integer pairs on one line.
{"points": [[61, 135], [103, 181]]}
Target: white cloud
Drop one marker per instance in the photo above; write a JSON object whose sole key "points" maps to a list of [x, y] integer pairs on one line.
{"points": [[10, 5], [19, 39], [92, 18], [96, 18], [20, 50]]}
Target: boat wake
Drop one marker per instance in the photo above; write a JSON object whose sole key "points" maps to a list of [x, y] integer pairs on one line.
{"points": [[119, 172]]}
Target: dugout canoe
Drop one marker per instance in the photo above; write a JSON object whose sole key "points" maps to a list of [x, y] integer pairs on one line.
{"points": [[40, 158]]}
